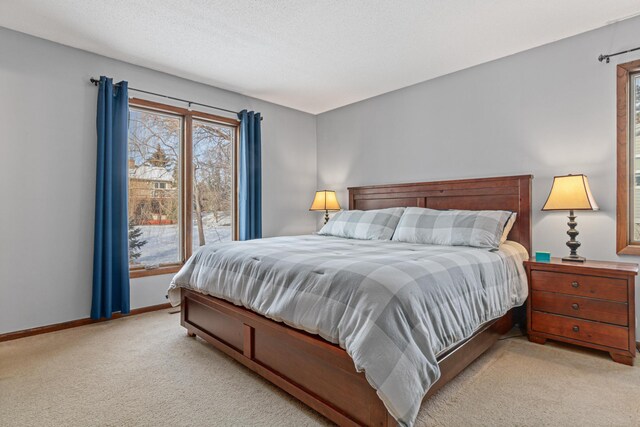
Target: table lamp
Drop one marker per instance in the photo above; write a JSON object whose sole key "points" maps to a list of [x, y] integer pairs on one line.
{"points": [[571, 193], [326, 201]]}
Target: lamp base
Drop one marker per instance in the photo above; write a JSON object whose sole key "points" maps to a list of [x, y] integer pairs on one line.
{"points": [[574, 258], [573, 244]]}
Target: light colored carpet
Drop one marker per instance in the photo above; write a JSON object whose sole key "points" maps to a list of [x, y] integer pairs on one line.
{"points": [[144, 370]]}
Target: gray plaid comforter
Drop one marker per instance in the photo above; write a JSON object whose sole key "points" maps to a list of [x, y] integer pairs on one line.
{"points": [[394, 307]]}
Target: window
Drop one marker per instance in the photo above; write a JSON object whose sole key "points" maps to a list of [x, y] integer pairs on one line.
{"points": [[628, 140], [182, 184], [213, 182]]}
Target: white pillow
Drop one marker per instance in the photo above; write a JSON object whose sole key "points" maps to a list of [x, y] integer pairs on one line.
{"points": [[508, 227], [376, 224]]}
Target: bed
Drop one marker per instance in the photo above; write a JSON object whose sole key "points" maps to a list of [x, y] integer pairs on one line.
{"points": [[312, 365]]}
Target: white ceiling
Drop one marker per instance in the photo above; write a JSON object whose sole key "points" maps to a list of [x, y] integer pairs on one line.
{"points": [[312, 55]]}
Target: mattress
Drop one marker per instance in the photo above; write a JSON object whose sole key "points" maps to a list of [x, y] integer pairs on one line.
{"points": [[393, 306]]}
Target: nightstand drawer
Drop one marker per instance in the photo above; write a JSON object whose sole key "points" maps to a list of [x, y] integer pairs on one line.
{"points": [[582, 330], [581, 307], [576, 284]]}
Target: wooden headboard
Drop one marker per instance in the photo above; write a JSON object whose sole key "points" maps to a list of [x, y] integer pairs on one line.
{"points": [[509, 193]]}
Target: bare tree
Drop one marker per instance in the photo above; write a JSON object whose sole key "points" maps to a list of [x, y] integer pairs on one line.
{"points": [[213, 168]]}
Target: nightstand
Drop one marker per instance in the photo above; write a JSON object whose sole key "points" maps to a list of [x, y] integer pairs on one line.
{"points": [[591, 304]]}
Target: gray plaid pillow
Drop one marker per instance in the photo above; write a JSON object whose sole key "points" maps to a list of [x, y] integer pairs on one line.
{"points": [[364, 225], [480, 229]]}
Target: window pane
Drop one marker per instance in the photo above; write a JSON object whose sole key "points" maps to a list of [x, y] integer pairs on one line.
{"points": [[635, 138], [154, 147], [213, 182]]}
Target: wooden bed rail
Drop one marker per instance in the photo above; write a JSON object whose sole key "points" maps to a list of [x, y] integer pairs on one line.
{"points": [[316, 372]]}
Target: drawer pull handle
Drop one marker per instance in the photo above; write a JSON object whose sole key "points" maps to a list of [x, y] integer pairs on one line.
{"points": [[575, 284], [575, 306], [576, 328]]}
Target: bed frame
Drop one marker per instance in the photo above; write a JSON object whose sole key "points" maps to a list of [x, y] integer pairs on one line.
{"points": [[321, 374]]}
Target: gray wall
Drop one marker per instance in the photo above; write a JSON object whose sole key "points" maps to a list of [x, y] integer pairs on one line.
{"points": [[548, 111], [47, 174]]}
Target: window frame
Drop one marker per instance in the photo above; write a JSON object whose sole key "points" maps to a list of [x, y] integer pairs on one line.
{"points": [[626, 181], [185, 218]]}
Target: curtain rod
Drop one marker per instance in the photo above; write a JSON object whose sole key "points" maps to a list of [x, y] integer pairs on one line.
{"points": [[606, 57], [190, 103]]}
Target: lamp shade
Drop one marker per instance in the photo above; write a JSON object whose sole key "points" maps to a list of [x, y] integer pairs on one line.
{"points": [[325, 200], [570, 192]]}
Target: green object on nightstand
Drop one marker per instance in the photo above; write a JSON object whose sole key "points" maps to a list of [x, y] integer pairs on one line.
{"points": [[542, 256]]}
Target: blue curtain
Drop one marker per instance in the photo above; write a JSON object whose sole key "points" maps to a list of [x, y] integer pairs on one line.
{"points": [[111, 245], [250, 191]]}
